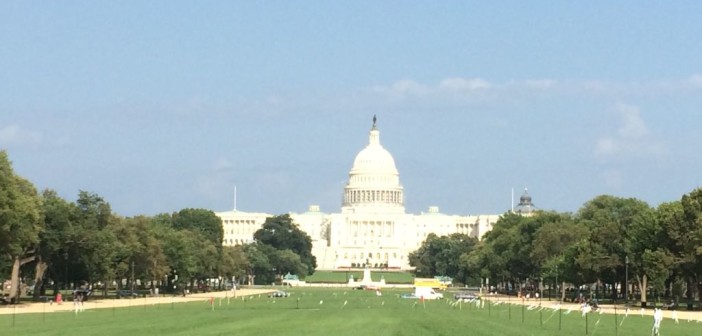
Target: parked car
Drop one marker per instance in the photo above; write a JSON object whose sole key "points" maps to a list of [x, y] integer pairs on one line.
{"points": [[465, 296], [366, 287], [279, 294], [126, 293], [408, 296]]}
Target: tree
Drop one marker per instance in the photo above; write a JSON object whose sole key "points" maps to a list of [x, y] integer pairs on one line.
{"points": [[201, 256], [204, 221], [287, 261], [658, 264], [553, 240], [180, 247], [281, 233], [21, 221], [619, 228], [92, 247], [261, 269], [59, 218], [142, 248], [441, 255], [235, 263], [689, 239]]}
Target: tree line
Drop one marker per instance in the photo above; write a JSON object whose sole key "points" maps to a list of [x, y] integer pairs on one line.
{"points": [[617, 245], [54, 244]]}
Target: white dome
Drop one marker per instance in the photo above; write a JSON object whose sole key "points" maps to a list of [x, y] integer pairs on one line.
{"points": [[374, 159], [374, 182]]}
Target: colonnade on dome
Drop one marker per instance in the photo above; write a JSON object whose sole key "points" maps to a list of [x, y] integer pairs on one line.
{"points": [[390, 197]]}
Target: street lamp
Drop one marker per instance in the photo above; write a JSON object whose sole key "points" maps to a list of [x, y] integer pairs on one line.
{"points": [[557, 293], [626, 281], [132, 276], [65, 259]]}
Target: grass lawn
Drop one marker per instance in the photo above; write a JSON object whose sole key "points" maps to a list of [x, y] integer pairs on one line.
{"points": [[333, 312], [342, 277]]}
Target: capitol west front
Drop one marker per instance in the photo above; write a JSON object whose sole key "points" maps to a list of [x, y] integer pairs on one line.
{"points": [[372, 228]]}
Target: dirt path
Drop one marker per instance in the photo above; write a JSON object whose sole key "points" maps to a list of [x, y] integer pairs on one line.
{"points": [[605, 309], [40, 307]]}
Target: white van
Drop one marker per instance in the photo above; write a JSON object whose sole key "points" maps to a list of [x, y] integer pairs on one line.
{"points": [[427, 293]]}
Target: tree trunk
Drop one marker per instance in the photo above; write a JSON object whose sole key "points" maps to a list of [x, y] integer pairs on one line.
{"points": [[643, 287], [563, 291], [39, 271], [699, 292], [14, 279]]}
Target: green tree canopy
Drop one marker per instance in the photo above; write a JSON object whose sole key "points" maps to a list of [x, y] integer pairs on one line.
{"points": [[21, 220], [204, 221], [441, 255], [281, 233]]}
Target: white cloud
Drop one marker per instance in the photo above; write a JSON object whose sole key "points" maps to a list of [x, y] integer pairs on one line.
{"points": [[222, 164], [473, 87], [463, 84], [613, 178], [695, 81], [13, 134], [542, 84], [633, 127], [632, 138], [402, 88]]}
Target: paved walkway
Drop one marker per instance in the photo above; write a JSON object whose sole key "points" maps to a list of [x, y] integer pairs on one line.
{"points": [[40, 307]]}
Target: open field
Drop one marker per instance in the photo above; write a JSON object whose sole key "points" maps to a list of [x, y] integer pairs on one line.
{"points": [[316, 311], [342, 277]]}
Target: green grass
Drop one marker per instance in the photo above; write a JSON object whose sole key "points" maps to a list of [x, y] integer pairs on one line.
{"points": [[342, 277], [302, 314]]}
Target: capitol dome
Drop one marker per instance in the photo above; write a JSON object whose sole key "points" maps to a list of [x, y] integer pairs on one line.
{"points": [[374, 182]]}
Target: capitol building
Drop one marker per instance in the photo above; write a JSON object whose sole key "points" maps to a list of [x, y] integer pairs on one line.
{"points": [[372, 229]]}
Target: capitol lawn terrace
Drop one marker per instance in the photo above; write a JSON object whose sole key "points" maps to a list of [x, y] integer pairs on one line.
{"points": [[337, 311], [340, 277]]}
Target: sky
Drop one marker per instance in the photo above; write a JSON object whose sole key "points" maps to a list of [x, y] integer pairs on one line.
{"points": [[162, 105]]}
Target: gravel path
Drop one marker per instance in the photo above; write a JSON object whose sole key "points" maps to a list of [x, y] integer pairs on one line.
{"points": [[47, 307], [605, 309]]}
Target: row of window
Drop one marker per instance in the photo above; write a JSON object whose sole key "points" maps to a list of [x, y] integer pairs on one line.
{"points": [[240, 231], [357, 196], [370, 256], [239, 221], [373, 179], [234, 242]]}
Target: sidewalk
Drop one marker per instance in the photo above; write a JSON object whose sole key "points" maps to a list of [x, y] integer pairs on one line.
{"points": [[67, 306]]}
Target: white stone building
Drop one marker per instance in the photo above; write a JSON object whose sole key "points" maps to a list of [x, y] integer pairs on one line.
{"points": [[372, 227]]}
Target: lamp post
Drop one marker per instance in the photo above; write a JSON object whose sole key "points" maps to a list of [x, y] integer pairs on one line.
{"points": [[541, 289], [65, 258], [132, 277], [557, 293], [626, 281]]}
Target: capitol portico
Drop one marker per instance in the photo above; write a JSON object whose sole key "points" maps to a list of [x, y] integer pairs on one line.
{"points": [[372, 228]]}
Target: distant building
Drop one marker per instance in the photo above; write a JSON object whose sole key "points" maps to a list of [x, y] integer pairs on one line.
{"points": [[372, 228], [525, 206]]}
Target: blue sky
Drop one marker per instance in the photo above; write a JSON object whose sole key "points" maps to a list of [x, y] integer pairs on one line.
{"points": [[164, 105]]}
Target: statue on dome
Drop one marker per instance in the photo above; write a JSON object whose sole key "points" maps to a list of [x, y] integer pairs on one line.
{"points": [[374, 120]]}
